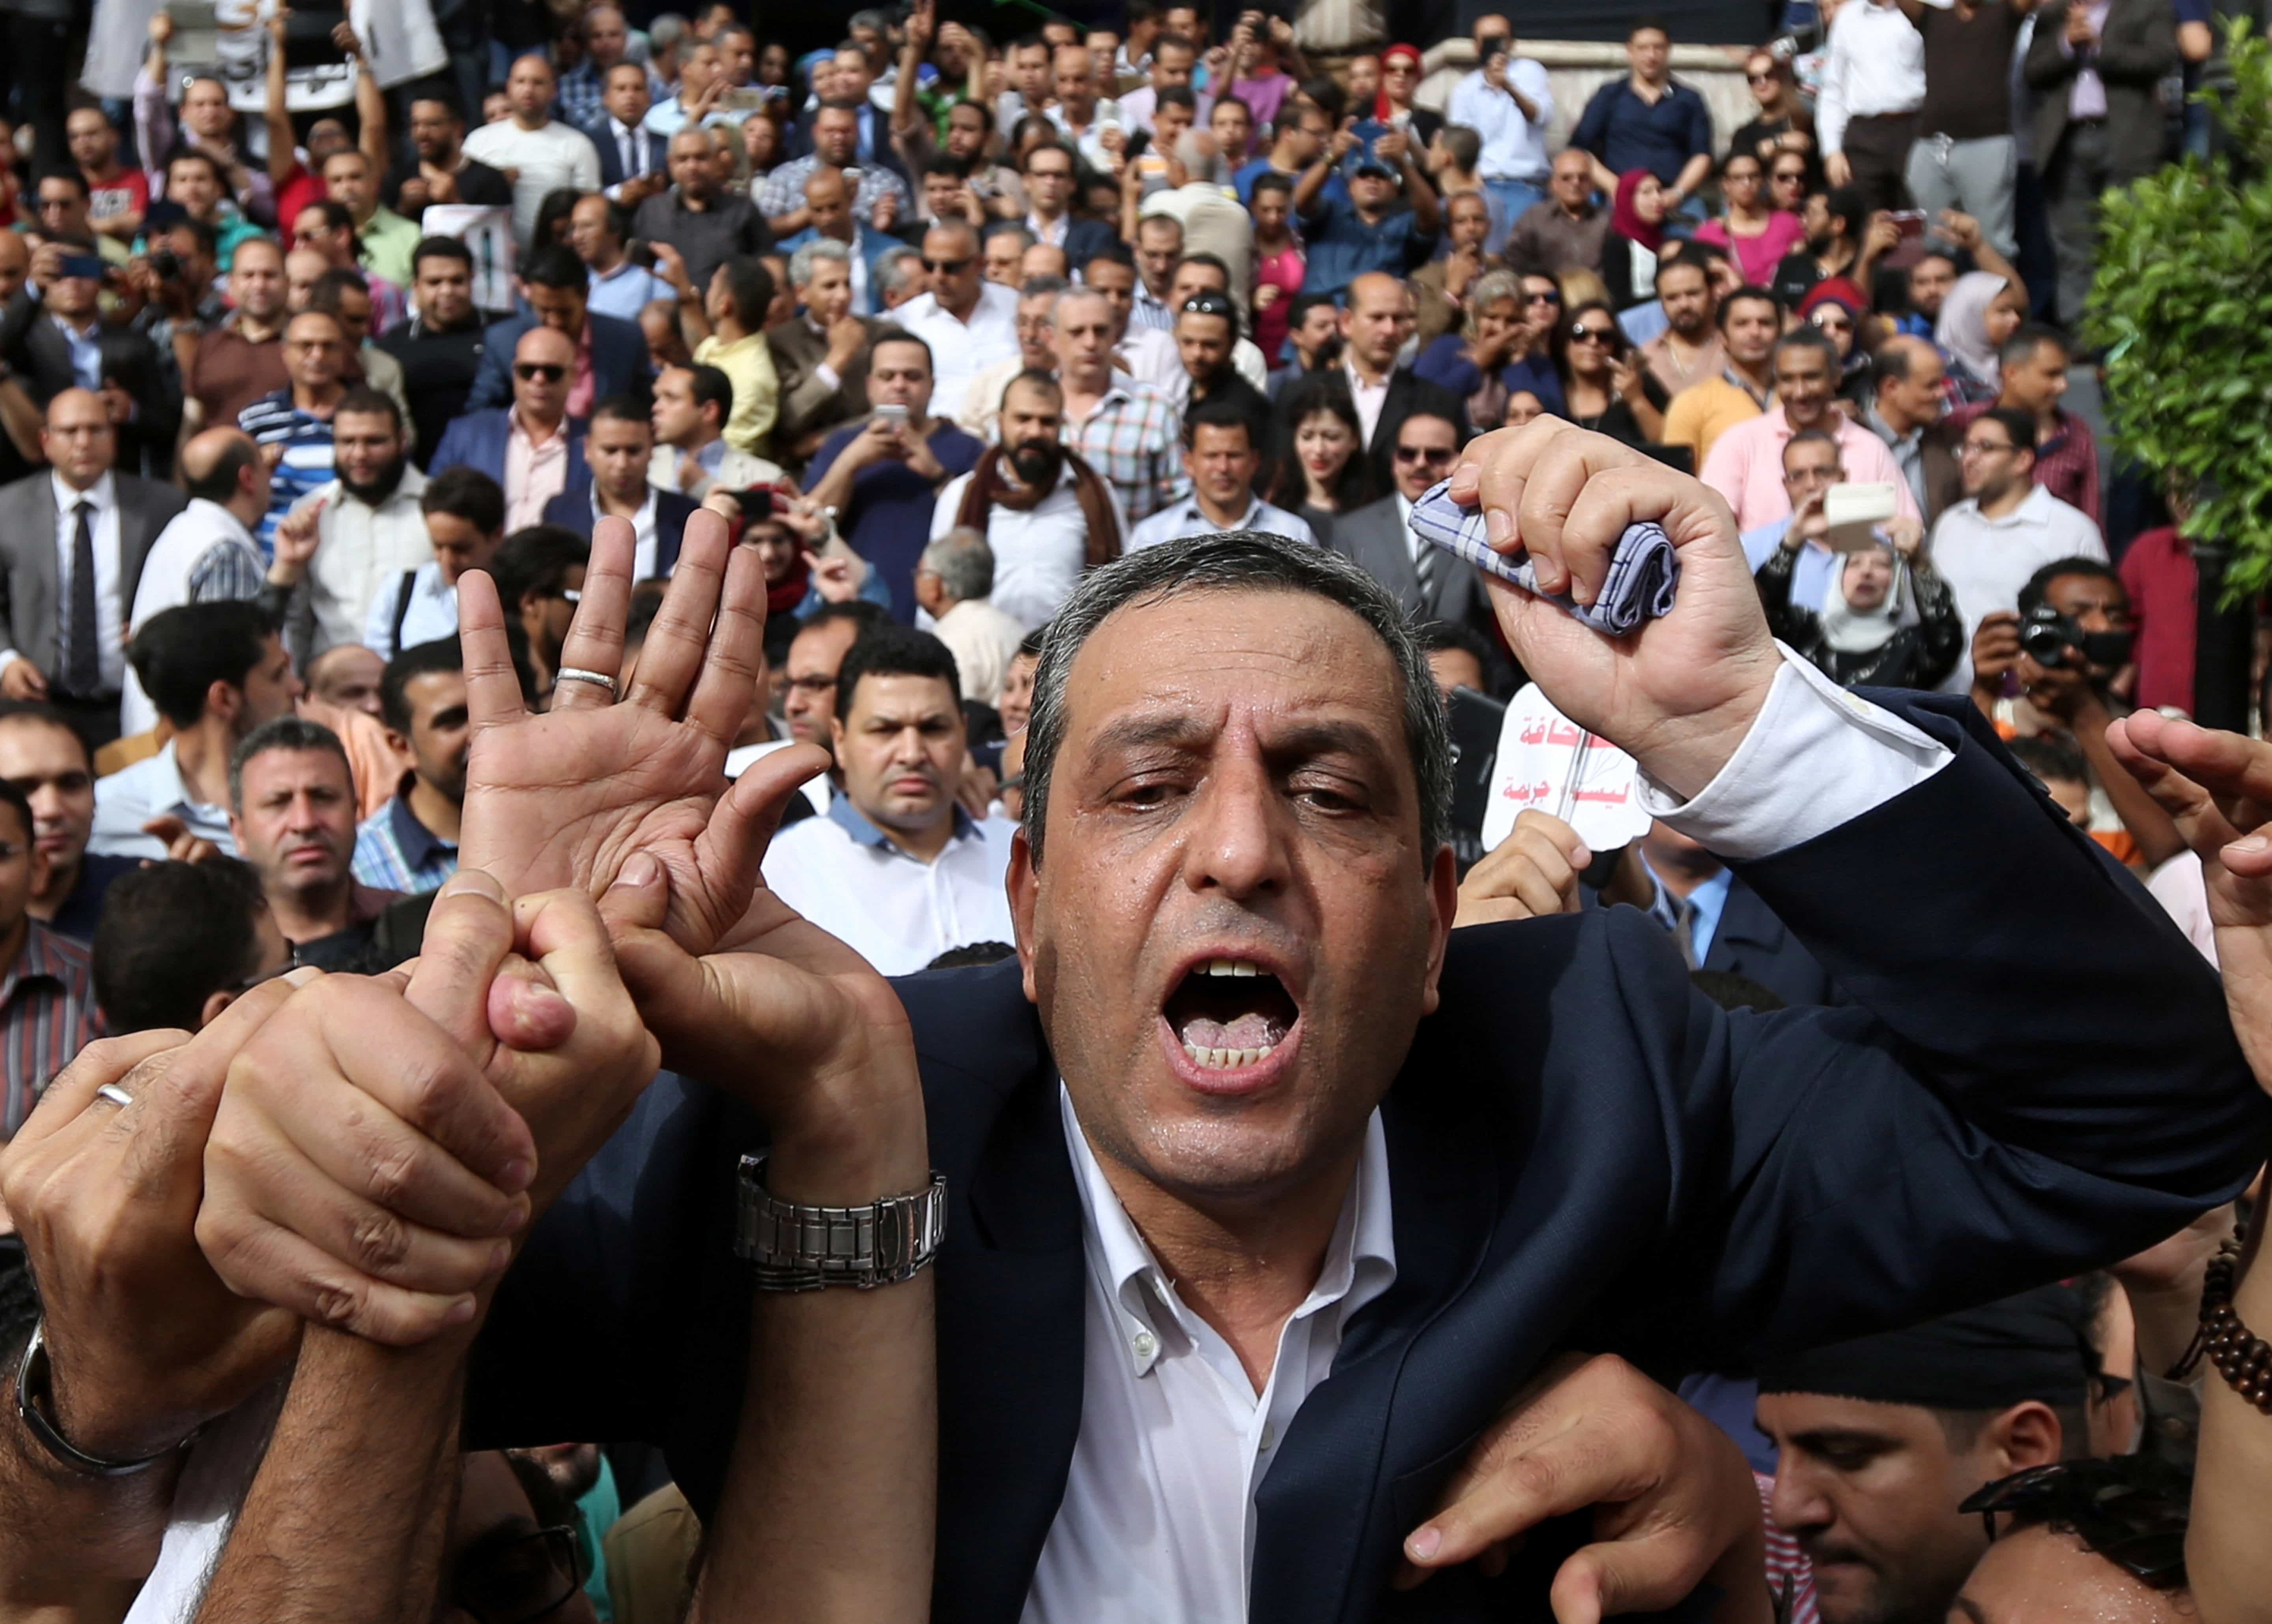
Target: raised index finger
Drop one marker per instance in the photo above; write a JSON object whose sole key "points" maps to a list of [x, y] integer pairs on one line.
{"points": [[493, 694]]}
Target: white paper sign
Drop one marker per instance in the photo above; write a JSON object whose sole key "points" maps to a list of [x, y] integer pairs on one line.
{"points": [[1548, 761], [486, 230], [399, 38]]}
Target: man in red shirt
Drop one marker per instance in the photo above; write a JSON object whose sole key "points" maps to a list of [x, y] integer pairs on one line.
{"points": [[118, 194], [2158, 570]]}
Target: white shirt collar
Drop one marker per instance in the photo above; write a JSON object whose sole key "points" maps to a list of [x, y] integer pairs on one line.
{"points": [[103, 493], [215, 514], [1360, 1261]]}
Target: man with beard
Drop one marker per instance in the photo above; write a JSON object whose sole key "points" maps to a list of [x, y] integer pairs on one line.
{"points": [[440, 346], [1879, 1439], [292, 812], [444, 173], [1750, 319], [1046, 513], [1689, 350], [1842, 239], [707, 223], [369, 529], [1206, 331], [411, 843], [895, 867], [619, 446]]}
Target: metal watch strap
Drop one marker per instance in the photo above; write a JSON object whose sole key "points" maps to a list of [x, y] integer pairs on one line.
{"points": [[791, 1247], [32, 1387]]}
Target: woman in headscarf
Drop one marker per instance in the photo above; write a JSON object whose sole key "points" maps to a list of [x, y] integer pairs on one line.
{"points": [[1980, 312], [1636, 233], [1886, 620]]}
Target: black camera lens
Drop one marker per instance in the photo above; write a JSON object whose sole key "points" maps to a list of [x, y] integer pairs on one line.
{"points": [[2046, 635], [166, 264]]}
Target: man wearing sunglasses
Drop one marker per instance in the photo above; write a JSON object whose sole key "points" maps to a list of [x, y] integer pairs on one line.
{"points": [[533, 449], [969, 323], [1380, 538]]}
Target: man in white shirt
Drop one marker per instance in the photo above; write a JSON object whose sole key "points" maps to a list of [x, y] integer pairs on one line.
{"points": [[216, 671], [1872, 86], [953, 579], [1222, 459], [1091, 123], [2006, 529], [1045, 512], [897, 870], [968, 322], [981, 411], [208, 553], [1508, 103], [542, 153], [464, 512], [367, 528]]}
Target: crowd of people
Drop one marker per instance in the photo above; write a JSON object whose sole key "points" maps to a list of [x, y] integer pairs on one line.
{"points": [[525, 606]]}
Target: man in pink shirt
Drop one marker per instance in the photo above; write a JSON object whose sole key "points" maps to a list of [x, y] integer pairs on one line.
{"points": [[1746, 461]]}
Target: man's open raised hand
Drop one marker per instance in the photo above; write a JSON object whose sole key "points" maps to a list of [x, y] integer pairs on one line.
{"points": [[1679, 694]]}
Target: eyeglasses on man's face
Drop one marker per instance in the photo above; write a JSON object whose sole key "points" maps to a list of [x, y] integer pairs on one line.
{"points": [[519, 1581], [1432, 456]]}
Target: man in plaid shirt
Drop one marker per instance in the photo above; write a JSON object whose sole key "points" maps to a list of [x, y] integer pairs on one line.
{"points": [[1124, 432], [836, 146], [47, 1010], [410, 844], [607, 41], [2033, 365]]}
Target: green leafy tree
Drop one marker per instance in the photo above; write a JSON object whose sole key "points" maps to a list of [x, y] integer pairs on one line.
{"points": [[2183, 306]]}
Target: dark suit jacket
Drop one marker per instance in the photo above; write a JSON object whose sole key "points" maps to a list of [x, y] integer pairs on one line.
{"points": [[1752, 943], [37, 349], [1085, 239], [652, 152], [477, 441], [31, 606], [572, 510], [1375, 538], [807, 404], [2137, 51], [619, 360], [1407, 393], [1584, 1153]]}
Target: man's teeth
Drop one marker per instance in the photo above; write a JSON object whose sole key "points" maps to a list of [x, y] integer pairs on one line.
{"points": [[1225, 1058], [1232, 967]]}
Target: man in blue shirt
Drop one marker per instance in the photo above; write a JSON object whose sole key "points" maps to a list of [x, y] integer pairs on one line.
{"points": [[1644, 121], [1373, 230]]}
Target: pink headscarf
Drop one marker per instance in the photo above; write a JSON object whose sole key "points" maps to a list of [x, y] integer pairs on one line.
{"points": [[1626, 219], [1382, 107]]}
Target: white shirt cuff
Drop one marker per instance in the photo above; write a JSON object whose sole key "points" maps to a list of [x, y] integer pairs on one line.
{"points": [[1816, 756], [826, 374]]}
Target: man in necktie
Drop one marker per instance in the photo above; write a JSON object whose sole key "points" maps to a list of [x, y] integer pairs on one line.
{"points": [[630, 155]]}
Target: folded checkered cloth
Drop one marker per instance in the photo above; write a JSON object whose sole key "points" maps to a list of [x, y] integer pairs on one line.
{"points": [[1643, 570]]}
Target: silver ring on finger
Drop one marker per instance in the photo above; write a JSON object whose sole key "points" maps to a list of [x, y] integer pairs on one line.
{"points": [[116, 1095], [577, 673]]}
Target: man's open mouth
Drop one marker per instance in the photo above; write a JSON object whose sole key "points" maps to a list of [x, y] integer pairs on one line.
{"points": [[1229, 1013]]}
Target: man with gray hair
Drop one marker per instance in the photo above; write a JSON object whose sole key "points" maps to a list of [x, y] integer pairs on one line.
{"points": [[899, 278], [292, 812], [953, 577], [981, 407], [820, 356]]}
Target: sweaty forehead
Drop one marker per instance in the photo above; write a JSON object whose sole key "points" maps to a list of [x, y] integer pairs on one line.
{"points": [[1208, 659]]}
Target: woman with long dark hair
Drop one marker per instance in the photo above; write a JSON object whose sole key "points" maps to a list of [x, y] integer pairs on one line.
{"points": [[1604, 382], [1322, 470]]}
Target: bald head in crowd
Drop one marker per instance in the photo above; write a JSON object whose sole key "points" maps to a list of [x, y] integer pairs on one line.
{"points": [[224, 466], [543, 366]]}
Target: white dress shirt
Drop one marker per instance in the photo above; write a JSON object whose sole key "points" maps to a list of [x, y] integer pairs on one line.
{"points": [[643, 543], [638, 150], [1157, 1521], [1180, 520], [961, 348], [1158, 1516], [1515, 148], [360, 551], [432, 613], [1986, 561], [173, 559], [1369, 400], [983, 640], [894, 909], [1039, 551], [109, 614], [152, 787], [1875, 65]]}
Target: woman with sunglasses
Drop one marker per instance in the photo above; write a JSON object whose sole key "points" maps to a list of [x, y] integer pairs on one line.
{"points": [[1783, 125], [1636, 234], [1605, 386], [1752, 229], [1790, 181], [1321, 470], [1492, 353]]}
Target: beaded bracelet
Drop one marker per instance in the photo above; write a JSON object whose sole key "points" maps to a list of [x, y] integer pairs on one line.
{"points": [[2243, 1359]]}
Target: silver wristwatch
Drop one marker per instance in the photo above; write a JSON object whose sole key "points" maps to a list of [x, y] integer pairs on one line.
{"points": [[793, 1248]]}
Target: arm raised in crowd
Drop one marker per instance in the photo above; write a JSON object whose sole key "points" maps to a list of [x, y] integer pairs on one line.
{"points": [[143, 1345]]}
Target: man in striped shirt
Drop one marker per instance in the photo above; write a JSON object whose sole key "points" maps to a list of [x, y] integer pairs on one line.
{"points": [[47, 1011], [293, 426]]}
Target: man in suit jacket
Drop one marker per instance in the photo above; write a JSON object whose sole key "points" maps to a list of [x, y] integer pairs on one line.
{"points": [[629, 151], [2097, 119], [32, 340], [557, 286], [1379, 538], [537, 419], [618, 447], [825, 337], [1907, 411], [42, 658], [1438, 1158]]}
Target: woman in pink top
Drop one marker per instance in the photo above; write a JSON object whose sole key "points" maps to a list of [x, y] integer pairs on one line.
{"points": [[1757, 234], [1277, 264]]}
